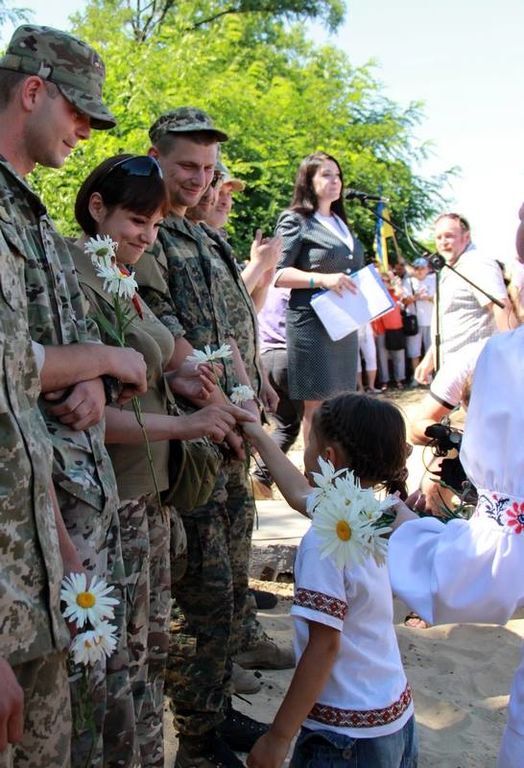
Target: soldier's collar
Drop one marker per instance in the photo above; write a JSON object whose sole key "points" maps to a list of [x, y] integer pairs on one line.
{"points": [[35, 201]]}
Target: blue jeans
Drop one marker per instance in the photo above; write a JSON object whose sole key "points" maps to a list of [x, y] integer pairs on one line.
{"points": [[326, 749]]}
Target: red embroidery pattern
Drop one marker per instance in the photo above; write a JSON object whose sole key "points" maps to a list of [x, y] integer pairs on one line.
{"points": [[507, 511], [318, 601], [515, 517], [356, 718]]}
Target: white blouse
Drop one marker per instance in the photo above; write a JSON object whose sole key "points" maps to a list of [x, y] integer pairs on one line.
{"points": [[473, 571]]}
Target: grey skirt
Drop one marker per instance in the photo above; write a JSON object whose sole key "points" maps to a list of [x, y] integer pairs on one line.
{"points": [[318, 367]]}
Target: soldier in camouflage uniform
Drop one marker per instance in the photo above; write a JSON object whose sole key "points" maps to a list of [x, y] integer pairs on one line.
{"points": [[256, 647], [33, 634], [180, 279], [51, 92]]}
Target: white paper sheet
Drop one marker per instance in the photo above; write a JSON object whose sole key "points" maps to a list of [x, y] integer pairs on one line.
{"points": [[341, 315]]}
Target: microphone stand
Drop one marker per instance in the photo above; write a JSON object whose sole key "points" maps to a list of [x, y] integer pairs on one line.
{"points": [[437, 261]]}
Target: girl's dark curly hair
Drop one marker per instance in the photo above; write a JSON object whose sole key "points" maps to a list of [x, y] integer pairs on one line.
{"points": [[372, 436]]}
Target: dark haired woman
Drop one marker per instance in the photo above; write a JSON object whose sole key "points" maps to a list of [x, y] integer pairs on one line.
{"points": [[124, 198], [318, 252]]}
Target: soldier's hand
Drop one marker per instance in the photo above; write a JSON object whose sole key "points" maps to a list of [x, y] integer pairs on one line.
{"points": [[236, 443], [11, 707], [213, 421], [195, 381], [129, 367], [83, 407]]}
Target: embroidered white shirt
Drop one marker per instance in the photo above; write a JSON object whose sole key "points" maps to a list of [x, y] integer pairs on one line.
{"points": [[367, 694]]}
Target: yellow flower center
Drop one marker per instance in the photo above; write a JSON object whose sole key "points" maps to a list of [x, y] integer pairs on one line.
{"points": [[343, 530], [85, 599]]}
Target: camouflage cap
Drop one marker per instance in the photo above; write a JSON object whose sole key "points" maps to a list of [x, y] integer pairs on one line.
{"points": [[235, 185], [73, 66], [184, 120]]}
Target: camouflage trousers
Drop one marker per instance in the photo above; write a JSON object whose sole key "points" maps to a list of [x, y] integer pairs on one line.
{"points": [[106, 734], [210, 600], [144, 529], [47, 716]]}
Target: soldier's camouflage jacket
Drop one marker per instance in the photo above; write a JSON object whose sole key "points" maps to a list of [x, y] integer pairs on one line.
{"points": [[30, 565], [179, 281], [240, 308], [82, 469]]}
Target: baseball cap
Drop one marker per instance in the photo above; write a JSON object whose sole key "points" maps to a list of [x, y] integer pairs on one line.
{"points": [[184, 120], [237, 185], [58, 57], [420, 262]]}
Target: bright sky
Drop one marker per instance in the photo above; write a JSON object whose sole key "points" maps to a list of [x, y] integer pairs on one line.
{"points": [[464, 60]]}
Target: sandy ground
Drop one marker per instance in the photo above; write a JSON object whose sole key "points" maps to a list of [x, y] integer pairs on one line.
{"points": [[460, 674]]}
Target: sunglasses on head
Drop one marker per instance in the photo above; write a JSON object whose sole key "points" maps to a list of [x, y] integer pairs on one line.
{"points": [[140, 165]]}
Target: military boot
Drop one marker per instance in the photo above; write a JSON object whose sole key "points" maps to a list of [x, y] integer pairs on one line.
{"points": [[205, 751], [239, 731]]}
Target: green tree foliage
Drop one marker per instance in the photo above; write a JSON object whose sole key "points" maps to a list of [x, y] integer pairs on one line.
{"points": [[277, 95], [7, 13]]}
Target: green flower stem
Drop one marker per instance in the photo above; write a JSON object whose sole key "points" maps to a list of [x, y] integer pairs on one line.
{"points": [[138, 414], [123, 321]]}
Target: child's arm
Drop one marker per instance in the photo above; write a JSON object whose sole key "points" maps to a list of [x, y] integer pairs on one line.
{"points": [[308, 682], [291, 482]]}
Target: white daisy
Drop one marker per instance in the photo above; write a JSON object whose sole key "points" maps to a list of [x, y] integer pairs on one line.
{"points": [[344, 534], [242, 393], [209, 355], [85, 603], [346, 517], [116, 281], [94, 644], [101, 250], [323, 480]]}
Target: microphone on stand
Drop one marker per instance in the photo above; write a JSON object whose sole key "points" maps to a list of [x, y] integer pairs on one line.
{"points": [[362, 197]]}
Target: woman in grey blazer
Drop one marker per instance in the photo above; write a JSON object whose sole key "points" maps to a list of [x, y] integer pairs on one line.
{"points": [[319, 252]]}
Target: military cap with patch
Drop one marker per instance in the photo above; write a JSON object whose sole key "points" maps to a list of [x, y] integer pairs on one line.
{"points": [[184, 120], [73, 66]]}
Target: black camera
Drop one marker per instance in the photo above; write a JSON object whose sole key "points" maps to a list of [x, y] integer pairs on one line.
{"points": [[443, 440]]}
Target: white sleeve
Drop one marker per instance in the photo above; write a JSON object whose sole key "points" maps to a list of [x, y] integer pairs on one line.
{"points": [[448, 385], [462, 571], [320, 594], [39, 353]]}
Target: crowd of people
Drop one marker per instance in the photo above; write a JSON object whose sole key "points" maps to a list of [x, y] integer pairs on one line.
{"points": [[93, 362]]}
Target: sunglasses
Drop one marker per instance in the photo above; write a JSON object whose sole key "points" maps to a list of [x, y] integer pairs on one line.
{"points": [[140, 165], [218, 176]]}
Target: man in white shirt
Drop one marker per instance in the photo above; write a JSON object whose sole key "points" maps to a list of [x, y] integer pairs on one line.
{"points": [[466, 314]]}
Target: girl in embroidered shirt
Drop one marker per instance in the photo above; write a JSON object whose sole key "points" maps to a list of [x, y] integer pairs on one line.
{"points": [[349, 690]]}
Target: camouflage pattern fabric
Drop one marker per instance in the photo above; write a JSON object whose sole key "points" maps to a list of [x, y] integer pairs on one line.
{"points": [[62, 59], [197, 677], [240, 308], [82, 471], [145, 544], [177, 282], [31, 625], [184, 120], [47, 716], [121, 749], [182, 281]]}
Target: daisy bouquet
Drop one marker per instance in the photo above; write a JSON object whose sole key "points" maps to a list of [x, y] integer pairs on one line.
{"points": [[121, 287], [88, 607], [347, 517]]}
